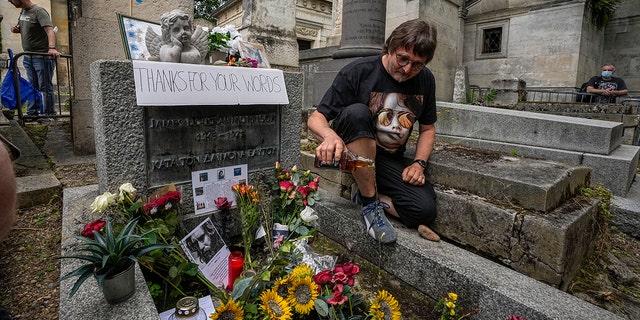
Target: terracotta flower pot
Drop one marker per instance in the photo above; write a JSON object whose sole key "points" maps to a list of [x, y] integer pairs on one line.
{"points": [[120, 286]]}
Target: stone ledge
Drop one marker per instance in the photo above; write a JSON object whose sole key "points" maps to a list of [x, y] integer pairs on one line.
{"points": [[438, 268], [548, 247], [88, 302], [37, 189]]}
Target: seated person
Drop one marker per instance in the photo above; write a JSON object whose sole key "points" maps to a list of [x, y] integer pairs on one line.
{"points": [[607, 86]]}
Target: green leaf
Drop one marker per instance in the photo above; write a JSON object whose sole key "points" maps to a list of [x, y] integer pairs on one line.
{"points": [[321, 307], [173, 272]]}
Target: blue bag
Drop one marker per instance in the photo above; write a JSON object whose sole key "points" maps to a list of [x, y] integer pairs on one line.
{"points": [[8, 91]]}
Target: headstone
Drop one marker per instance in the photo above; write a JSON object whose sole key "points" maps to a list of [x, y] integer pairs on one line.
{"points": [[363, 25], [510, 91], [151, 146], [272, 24], [461, 85]]}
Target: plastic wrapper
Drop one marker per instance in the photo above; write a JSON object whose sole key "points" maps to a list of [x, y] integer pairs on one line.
{"points": [[316, 261]]}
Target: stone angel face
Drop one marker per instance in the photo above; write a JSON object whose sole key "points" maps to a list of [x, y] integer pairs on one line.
{"points": [[179, 41]]}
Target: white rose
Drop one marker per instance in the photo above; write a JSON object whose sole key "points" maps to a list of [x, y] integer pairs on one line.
{"points": [[129, 189], [103, 201], [308, 214]]}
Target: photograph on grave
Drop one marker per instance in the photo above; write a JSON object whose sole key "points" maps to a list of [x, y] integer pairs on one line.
{"points": [[256, 52], [191, 139], [133, 31], [211, 184], [204, 246]]}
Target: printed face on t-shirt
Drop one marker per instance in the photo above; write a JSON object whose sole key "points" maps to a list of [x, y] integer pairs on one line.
{"points": [[394, 120]]}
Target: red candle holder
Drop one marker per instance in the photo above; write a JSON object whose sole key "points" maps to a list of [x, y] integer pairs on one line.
{"points": [[236, 263]]}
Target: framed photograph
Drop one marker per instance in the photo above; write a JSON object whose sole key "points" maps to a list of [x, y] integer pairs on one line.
{"points": [[133, 31], [254, 51]]}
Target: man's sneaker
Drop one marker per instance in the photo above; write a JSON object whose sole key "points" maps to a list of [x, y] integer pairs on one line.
{"points": [[376, 223]]}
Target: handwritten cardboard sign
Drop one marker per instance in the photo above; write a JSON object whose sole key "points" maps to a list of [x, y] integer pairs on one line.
{"points": [[180, 84]]}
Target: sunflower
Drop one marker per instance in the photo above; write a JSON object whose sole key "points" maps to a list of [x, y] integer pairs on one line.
{"points": [[229, 311], [385, 307], [302, 271], [302, 295], [275, 306], [282, 287]]}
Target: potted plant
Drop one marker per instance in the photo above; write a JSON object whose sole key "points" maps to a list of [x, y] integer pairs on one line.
{"points": [[110, 258]]}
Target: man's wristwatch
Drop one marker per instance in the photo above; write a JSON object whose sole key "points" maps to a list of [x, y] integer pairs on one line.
{"points": [[421, 162]]}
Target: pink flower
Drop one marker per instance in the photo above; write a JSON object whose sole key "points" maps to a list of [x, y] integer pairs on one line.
{"points": [[286, 186], [313, 186], [340, 277], [337, 299], [222, 203], [96, 225], [349, 269]]}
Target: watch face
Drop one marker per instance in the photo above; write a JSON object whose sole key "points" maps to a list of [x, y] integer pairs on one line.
{"points": [[422, 163]]}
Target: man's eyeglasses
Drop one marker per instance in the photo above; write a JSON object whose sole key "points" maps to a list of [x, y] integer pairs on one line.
{"points": [[404, 60]]}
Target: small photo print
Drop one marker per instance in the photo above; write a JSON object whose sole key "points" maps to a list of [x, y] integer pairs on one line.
{"points": [[199, 191], [221, 174], [204, 177], [237, 172]]}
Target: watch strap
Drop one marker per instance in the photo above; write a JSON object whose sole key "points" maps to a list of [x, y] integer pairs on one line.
{"points": [[421, 162]]}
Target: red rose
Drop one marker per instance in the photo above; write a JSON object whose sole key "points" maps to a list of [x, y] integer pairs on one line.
{"points": [[323, 277], [93, 226], [173, 196], [222, 203]]}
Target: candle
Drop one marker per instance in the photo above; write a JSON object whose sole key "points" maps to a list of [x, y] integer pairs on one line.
{"points": [[236, 262]]}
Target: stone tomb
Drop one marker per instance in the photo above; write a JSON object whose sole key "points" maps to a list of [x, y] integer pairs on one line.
{"points": [[162, 142]]}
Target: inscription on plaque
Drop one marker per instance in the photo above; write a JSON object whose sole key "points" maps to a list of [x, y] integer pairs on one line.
{"points": [[185, 139]]}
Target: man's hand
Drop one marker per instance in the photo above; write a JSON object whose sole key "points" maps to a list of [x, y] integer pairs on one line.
{"points": [[331, 148], [15, 29], [55, 53], [414, 174]]}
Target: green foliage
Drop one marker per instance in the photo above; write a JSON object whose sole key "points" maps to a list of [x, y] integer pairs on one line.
{"points": [[604, 195], [202, 9], [109, 253], [489, 96], [602, 11]]}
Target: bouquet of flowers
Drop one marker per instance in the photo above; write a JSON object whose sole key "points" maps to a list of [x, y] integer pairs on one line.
{"points": [[302, 294], [293, 191], [124, 204], [247, 200], [225, 39]]}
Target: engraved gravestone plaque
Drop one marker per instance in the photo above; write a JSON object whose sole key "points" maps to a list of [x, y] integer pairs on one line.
{"points": [[185, 139]]}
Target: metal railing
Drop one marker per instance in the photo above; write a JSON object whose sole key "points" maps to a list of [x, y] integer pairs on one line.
{"points": [[62, 92], [560, 95]]}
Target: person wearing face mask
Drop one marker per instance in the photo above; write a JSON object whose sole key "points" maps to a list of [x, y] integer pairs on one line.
{"points": [[370, 110], [606, 85]]}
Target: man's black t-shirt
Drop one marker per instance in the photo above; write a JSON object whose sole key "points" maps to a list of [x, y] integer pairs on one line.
{"points": [[395, 105], [614, 83]]}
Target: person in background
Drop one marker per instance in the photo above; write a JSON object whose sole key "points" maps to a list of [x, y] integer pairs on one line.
{"points": [[36, 31], [606, 85], [370, 109], [8, 195]]}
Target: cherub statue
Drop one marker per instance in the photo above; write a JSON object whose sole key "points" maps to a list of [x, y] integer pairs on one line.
{"points": [[179, 42]]}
